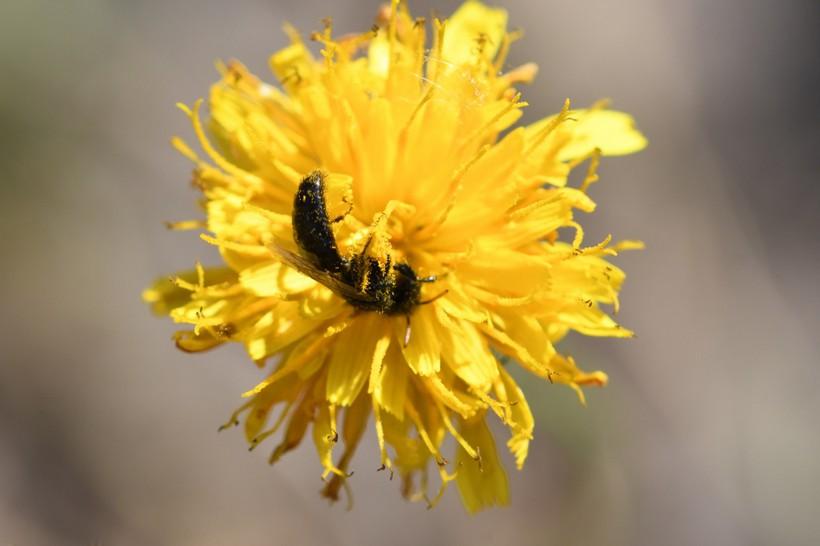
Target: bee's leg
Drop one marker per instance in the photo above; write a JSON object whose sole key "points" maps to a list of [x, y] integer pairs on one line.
{"points": [[407, 331], [434, 298], [348, 211], [363, 256], [361, 264], [367, 244]]}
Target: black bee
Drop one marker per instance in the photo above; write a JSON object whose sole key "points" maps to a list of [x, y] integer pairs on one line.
{"points": [[362, 280]]}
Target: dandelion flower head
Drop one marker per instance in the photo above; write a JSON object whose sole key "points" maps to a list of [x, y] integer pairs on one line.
{"points": [[414, 126]]}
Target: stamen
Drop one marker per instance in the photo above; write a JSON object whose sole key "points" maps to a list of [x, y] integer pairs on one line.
{"points": [[420, 28], [439, 27], [334, 435], [504, 49], [331, 438], [259, 438], [200, 274], [182, 147], [405, 130], [515, 103], [255, 308], [295, 362], [521, 74], [414, 416], [501, 393], [215, 156], [501, 56], [251, 250], [182, 283], [508, 345], [628, 244], [234, 419], [493, 404], [443, 395], [445, 480], [471, 452], [579, 234], [542, 135], [377, 418], [292, 34], [391, 27], [591, 176]]}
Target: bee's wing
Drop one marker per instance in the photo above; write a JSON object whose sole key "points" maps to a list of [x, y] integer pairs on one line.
{"points": [[306, 267]]}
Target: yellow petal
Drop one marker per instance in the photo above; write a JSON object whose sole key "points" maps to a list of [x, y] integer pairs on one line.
{"points": [[466, 352], [354, 355], [297, 426], [614, 133], [481, 484], [410, 450], [591, 321], [423, 158], [379, 55], [464, 405], [292, 65], [570, 374], [391, 390], [471, 22], [530, 334], [286, 389], [190, 342], [278, 329], [355, 421], [325, 438], [519, 416], [167, 294], [423, 353], [507, 272], [274, 279]]}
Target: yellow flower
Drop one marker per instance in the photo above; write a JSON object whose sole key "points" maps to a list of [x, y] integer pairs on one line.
{"points": [[423, 161]]}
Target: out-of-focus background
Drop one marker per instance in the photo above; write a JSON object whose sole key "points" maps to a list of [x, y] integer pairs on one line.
{"points": [[708, 432]]}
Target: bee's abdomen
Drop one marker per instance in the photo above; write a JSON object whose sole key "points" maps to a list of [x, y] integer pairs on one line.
{"points": [[311, 225]]}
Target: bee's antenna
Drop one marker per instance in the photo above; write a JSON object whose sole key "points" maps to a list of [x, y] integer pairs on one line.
{"points": [[434, 298]]}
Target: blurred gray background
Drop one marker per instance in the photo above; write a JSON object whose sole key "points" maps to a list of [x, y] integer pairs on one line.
{"points": [[708, 432]]}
